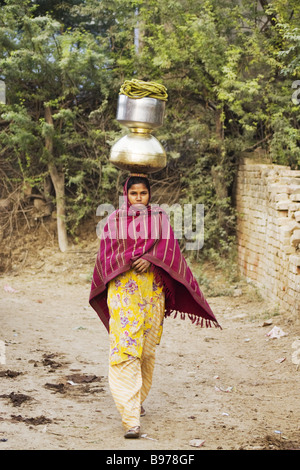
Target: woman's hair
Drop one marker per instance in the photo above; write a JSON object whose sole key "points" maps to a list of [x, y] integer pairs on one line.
{"points": [[138, 180]]}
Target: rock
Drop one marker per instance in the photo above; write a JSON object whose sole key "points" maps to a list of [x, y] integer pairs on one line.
{"points": [[196, 442]]}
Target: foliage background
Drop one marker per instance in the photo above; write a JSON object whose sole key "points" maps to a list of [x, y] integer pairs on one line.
{"points": [[231, 71]]}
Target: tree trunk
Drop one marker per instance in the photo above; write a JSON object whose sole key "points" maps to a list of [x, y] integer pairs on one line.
{"points": [[58, 180]]}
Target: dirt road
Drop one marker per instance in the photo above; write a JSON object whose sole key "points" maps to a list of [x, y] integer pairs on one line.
{"points": [[233, 389]]}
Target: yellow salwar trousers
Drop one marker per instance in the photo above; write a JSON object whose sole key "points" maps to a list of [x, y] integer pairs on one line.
{"points": [[137, 306]]}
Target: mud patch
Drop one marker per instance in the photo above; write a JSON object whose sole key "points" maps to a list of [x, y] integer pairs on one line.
{"points": [[76, 384], [32, 421], [48, 361], [80, 379], [9, 373], [17, 399], [59, 388]]}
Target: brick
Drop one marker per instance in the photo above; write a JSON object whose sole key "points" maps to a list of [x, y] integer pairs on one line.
{"points": [[294, 188], [289, 228], [282, 220], [288, 250], [295, 238], [278, 188], [294, 270], [278, 197], [295, 260], [291, 173], [294, 206], [283, 205]]}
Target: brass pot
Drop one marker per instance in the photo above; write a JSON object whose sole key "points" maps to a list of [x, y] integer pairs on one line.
{"points": [[139, 151]]}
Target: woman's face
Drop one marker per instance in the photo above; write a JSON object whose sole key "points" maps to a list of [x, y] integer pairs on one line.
{"points": [[138, 194]]}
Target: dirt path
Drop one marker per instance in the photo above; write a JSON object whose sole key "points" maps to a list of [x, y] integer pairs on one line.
{"points": [[234, 389]]}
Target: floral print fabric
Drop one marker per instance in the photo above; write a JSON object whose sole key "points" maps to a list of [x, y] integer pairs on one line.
{"points": [[133, 300]]}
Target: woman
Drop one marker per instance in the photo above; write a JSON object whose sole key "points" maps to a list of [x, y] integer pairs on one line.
{"points": [[140, 277]]}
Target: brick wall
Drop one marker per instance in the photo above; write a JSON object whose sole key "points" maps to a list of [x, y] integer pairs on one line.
{"points": [[268, 228]]}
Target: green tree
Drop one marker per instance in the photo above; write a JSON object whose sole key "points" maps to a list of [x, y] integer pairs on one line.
{"points": [[55, 79], [229, 68]]}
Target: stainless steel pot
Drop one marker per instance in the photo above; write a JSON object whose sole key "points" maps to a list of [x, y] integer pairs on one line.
{"points": [[146, 113]]}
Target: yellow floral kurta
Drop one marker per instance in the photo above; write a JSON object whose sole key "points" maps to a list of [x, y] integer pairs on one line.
{"points": [[134, 301]]}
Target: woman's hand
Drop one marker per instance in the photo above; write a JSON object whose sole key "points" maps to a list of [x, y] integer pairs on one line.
{"points": [[141, 265]]}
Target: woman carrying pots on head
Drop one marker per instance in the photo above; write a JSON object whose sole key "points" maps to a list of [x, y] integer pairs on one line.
{"points": [[140, 277]]}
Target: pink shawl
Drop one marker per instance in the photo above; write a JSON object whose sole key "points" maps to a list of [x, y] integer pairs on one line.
{"points": [[132, 232]]}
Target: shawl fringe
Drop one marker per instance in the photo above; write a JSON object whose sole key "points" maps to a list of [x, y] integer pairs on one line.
{"points": [[168, 287], [195, 319]]}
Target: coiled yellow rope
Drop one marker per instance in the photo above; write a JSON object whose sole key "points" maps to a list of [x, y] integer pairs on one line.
{"points": [[139, 89]]}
